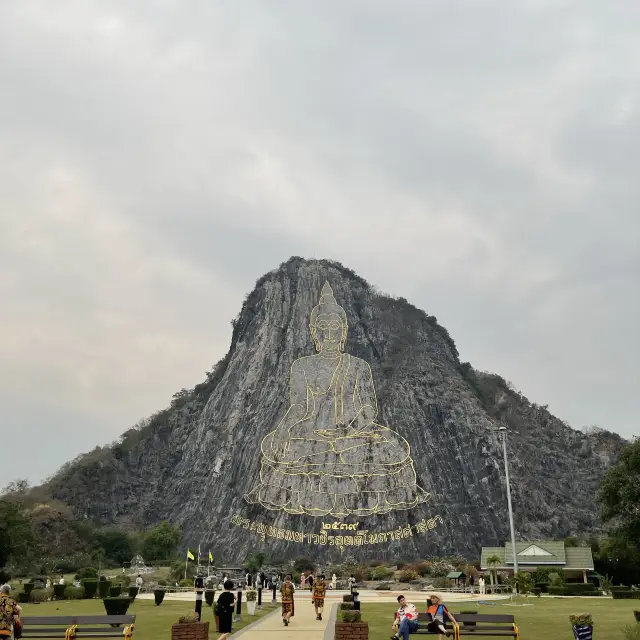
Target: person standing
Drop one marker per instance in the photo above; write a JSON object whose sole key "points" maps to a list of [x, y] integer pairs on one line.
{"points": [[286, 592], [61, 581], [310, 580], [334, 581], [481, 585], [224, 609], [319, 590], [139, 581], [9, 612], [472, 582]]}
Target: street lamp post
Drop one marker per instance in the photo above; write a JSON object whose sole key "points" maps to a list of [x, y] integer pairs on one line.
{"points": [[503, 435]]}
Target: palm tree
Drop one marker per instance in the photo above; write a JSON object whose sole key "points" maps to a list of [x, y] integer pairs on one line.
{"points": [[493, 562]]}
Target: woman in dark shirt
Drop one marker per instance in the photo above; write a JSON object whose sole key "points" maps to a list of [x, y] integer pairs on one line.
{"points": [[224, 609]]}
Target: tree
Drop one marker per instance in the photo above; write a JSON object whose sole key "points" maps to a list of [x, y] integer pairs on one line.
{"points": [[303, 564], [118, 545], [16, 536], [160, 543], [619, 496], [571, 541], [492, 563]]}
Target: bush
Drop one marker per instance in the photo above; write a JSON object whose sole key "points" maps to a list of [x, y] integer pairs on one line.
{"points": [[383, 587], [626, 595], [116, 606], [124, 580], [58, 591], [28, 587], [351, 616], [23, 597], [631, 632], [346, 606], [162, 583], [407, 575], [209, 596], [74, 593], [103, 588], [115, 591], [558, 591], [537, 591], [578, 588], [581, 619], [90, 586], [190, 618], [185, 582], [556, 579], [87, 573], [133, 592], [40, 595], [158, 595], [252, 595], [423, 568], [382, 572], [347, 598]]}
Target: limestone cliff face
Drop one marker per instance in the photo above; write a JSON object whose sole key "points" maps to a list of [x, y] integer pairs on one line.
{"points": [[194, 462]]}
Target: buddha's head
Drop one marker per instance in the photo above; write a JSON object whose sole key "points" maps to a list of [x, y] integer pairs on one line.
{"points": [[328, 323]]}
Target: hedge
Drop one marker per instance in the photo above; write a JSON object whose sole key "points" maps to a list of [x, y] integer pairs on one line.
{"points": [[90, 586], [626, 595], [28, 587], [23, 597], [209, 596], [58, 591], [103, 588], [115, 591], [346, 606], [158, 595], [351, 616], [116, 606], [133, 592], [347, 598], [558, 591]]}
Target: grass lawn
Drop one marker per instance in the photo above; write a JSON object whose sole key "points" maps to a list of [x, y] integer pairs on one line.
{"points": [[547, 618], [152, 622]]}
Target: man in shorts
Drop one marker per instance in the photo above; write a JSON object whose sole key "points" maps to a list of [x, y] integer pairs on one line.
{"points": [[439, 614], [406, 621]]}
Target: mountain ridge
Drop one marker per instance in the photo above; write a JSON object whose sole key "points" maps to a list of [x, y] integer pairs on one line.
{"points": [[447, 410]]}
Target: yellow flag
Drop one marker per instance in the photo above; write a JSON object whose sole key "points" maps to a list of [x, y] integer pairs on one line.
{"points": [[210, 558], [190, 555]]}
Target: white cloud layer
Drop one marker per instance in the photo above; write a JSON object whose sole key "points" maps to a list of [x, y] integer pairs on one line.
{"points": [[479, 159]]}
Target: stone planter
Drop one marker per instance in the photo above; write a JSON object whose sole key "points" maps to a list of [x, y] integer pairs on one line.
{"points": [[251, 607], [190, 631], [352, 631], [582, 632]]}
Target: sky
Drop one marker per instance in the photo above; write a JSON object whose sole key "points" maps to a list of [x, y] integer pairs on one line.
{"points": [[478, 158]]}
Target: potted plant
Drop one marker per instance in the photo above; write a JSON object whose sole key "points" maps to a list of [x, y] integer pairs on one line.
{"points": [[637, 615], [189, 627], [582, 624], [350, 626], [252, 596]]}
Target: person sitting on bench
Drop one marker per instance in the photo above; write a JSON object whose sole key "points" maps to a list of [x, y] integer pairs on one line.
{"points": [[406, 621], [439, 614]]}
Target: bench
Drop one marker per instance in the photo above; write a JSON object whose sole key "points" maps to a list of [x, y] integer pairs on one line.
{"points": [[474, 624], [69, 627]]}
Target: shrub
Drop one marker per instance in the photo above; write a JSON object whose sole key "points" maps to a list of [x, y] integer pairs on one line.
{"points": [[158, 595], [537, 591], [558, 591], [383, 587], [252, 595], [555, 578], [407, 575], [28, 587], [103, 588], [115, 591], [124, 580], [116, 606], [162, 583], [209, 596], [351, 616], [578, 588], [58, 590], [346, 606], [626, 595], [423, 568], [73, 593], [581, 619], [87, 572], [90, 586], [631, 632], [40, 595], [133, 592], [347, 598], [189, 618], [382, 572], [23, 597], [185, 582]]}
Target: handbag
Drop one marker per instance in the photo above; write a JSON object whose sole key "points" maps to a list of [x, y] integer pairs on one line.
{"points": [[17, 629]]}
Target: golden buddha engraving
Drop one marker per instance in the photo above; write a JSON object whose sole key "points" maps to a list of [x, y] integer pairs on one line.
{"points": [[328, 455]]}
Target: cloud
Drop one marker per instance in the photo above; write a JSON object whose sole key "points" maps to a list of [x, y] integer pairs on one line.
{"points": [[476, 158]]}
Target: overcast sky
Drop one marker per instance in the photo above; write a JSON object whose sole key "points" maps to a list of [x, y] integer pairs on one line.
{"points": [[479, 158]]}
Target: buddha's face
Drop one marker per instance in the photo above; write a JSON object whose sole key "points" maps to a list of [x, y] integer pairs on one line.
{"points": [[328, 331]]}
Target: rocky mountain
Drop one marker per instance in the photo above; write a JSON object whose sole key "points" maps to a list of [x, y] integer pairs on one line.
{"points": [[195, 462]]}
